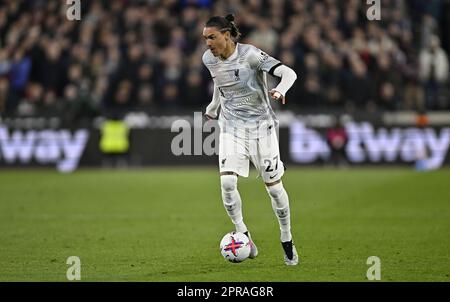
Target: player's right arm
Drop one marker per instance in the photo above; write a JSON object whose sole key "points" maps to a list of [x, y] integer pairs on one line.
{"points": [[211, 109]]}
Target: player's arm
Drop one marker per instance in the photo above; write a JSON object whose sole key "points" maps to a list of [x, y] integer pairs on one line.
{"points": [[211, 109], [288, 77], [259, 60]]}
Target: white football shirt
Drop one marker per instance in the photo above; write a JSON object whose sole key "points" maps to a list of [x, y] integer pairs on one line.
{"points": [[241, 82]]}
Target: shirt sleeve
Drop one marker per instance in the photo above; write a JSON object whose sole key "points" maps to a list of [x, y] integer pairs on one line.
{"points": [[259, 60], [212, 108], [288, 77], [206, 61]]}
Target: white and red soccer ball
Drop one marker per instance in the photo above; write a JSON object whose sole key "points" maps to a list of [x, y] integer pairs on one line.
{"points": [[235, 247]]}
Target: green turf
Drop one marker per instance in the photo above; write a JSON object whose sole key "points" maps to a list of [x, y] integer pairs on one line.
{"points": [[166, 225]]}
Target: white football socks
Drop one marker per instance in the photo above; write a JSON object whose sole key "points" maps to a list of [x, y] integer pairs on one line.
{"points": [[232, 201], [233, 205], [280, 205]]}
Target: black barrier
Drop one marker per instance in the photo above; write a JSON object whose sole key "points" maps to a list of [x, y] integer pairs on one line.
{"points": [[299, 145]]}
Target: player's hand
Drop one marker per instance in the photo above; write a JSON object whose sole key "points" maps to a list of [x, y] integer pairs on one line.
{"points": [[208, 117], [277, 96]]}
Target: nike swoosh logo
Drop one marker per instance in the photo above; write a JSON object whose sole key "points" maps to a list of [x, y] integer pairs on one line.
{"points": [[271, 177]]}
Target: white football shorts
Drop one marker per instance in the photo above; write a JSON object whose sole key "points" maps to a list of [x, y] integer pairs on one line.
{"points": [[236, 153]]}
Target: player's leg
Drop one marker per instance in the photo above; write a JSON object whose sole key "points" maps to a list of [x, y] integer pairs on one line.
{"points": [[267, 161], [233, 205], [280, 204], [234, 162], [232, 199]]}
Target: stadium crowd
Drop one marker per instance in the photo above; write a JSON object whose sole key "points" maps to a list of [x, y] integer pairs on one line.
{"points": [[146, 55]]}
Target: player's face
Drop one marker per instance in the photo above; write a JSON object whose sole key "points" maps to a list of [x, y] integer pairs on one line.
{"points": [[215, 40]]}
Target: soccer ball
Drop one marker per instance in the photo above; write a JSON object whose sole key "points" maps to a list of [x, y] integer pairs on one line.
{"points": [[235, 247]]}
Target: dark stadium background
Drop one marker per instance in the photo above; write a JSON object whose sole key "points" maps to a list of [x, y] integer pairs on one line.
{"points": [[371, 104], [140, 61]]}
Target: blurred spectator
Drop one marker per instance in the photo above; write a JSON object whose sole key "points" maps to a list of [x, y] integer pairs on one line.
{"points": [[4, 92], [146, 100], [264, 36], [122, 95], [32, 100], [434, 73], [358, 85], [52, 69], [147, 54], [422, 120], [428, 30], [199, 3], [75, 74], [5, 63], [387, 96], [194, 96], [337, 140], [414, 97], [387, 84], [114, 141], [79, 107], [171, 96], [332, 79]]}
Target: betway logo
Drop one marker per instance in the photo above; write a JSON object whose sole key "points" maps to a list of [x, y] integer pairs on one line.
{"points": [[409, 144], [44, 146], [366, 144]]}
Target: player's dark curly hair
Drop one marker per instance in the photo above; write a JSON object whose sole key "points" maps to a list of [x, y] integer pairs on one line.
{"points": [[224, 24]]}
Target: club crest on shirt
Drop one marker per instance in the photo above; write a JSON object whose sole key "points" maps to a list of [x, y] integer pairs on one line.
{"points": [[236, 75], [263, 57]]}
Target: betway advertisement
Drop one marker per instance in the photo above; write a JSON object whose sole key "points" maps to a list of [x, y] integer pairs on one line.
{"points": [[61, 148], [366, 144]]}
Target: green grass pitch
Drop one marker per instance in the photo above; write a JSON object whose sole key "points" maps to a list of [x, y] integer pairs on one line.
{"points": [[165, 224]]}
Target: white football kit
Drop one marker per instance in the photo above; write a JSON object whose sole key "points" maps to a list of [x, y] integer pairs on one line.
{"points": [[247, 122]]}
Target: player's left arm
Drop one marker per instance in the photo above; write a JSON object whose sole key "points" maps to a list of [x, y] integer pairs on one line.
{"points": [[259, 60], [288, 77]]}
